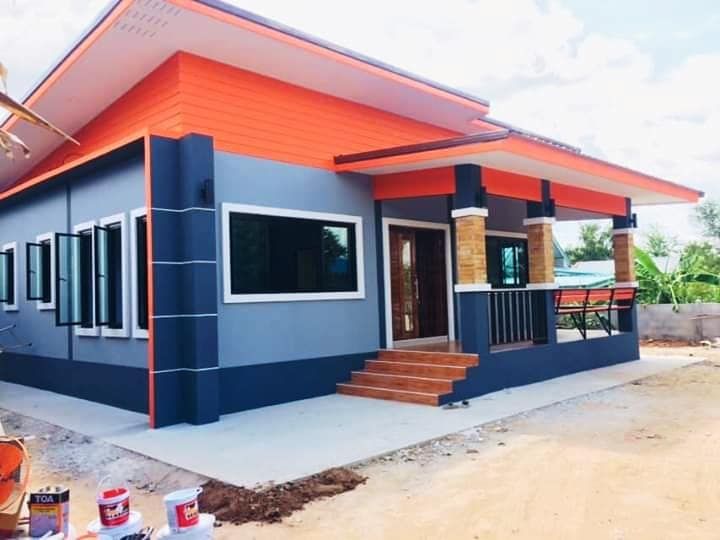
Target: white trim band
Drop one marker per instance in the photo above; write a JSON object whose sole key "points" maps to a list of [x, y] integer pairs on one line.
{"points": [[469, 211], [184, 262], [180, 210], [506, 234], [184, 315], [541, 286], [539, 221], [176, 370], [627, 284], [617, 232], [472, 287]]}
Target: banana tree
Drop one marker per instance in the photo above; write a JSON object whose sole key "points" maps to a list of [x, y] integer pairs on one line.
{"points": [[671, 287]]}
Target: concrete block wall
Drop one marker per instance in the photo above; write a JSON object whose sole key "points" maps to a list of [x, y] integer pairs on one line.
{"points": [[692, 321]]}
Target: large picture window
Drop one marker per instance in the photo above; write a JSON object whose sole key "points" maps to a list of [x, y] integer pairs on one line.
{"points": [[279, 255]]}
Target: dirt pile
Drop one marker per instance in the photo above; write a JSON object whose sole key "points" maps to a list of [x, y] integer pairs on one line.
{"points": [[240, 505], [668, 343]]}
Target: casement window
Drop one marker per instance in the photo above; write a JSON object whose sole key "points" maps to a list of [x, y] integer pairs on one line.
{"points": [[139, 272], [40, 271], [74, 280], [8, 277], [272, 254], [110, 276]]}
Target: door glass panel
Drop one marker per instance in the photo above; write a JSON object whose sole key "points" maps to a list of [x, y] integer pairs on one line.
{"points": [[408, 285]]}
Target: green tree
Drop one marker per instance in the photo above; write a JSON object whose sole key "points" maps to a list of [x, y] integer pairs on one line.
{"points": [[707, 214], [595, 244], [689, 282], [659, 244]]}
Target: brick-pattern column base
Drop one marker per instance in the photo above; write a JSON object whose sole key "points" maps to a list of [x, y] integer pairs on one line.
{"points": [[624, 253], [541, 258], [470, 246]]}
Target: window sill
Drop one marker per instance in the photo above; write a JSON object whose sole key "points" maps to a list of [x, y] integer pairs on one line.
{"points": [[114, 333], [292, 297], [139, 333], [45, 306], [87, 332], [11, 308]]}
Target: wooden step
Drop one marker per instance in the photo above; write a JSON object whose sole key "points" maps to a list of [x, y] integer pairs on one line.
{"points": [[416, 370], [401, 382], [386, 393], [428, 357]]}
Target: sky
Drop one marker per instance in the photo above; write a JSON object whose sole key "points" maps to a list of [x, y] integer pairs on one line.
{"points": [[635, 82]]}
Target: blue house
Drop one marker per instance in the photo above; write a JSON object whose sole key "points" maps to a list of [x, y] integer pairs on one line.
{"points": [[255, 216]]}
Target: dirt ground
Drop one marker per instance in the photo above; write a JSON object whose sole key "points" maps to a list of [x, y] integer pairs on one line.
{"points": [[634, 462]]}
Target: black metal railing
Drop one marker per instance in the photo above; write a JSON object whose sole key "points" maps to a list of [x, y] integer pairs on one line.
{"points": [[517, 316]]}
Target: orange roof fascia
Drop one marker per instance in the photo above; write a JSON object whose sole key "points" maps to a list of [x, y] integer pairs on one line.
{"points": [[327, 53], [541, 152], [49, 175], [589, 165], [83, 46]]}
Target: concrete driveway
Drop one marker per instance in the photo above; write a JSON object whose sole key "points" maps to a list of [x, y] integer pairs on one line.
{"points": [[293, 440]]}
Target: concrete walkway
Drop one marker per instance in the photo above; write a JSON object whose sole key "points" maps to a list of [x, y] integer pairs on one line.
{"points": [[293, 440]]}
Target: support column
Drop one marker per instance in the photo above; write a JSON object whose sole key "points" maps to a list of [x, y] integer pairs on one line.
{"points": [[469, 213], [624, 255], [183, 345], [541, 263]]}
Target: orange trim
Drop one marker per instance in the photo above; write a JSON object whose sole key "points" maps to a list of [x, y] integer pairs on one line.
{"points": [[327, 53], [150, 283], [507, 184], [600, 168], [585, 199], [423, 183], [73, 57], [538, 151]]}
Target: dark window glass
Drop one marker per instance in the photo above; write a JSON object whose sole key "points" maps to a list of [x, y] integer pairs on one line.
{"points": [[7, 276], [38, 275], [507, 262], [141, 271], [108, 276], [70, 296], [271, 254], [86, 279]]}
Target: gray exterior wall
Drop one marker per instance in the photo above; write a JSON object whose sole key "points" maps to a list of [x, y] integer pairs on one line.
{"points": [[260, 333], [111, 190]]}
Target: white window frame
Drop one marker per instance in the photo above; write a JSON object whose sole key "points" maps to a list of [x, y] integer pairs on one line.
{"points": [[92, 331], [122, 332], [39, 239], [137, 332], [230, 298], [13, 247]]}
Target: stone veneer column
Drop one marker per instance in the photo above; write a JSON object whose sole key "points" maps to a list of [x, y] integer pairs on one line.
{"points": [[541, 258], [624, 254], [470, 247]]}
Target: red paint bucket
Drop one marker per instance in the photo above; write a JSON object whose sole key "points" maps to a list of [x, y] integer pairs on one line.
{"points": [[182, 509], [113, 505]]}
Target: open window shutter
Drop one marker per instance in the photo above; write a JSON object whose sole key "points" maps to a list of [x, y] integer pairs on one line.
{"points": [[102, 276], [68, 290], [5, 277], [34, 271]]}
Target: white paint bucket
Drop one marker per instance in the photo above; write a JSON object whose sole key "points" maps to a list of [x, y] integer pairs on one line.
{"points": [[132, 526], [182, 509], [113, 504], [204, 530]]}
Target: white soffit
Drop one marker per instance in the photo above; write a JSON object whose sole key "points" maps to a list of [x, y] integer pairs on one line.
{"points": [[150, 31], [507, 161]]}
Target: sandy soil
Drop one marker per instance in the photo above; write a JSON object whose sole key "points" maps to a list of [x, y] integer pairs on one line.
{"points": [[638, 461]]}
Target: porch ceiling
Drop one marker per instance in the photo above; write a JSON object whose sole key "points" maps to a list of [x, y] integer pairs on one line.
{"points": [[519, 153]]}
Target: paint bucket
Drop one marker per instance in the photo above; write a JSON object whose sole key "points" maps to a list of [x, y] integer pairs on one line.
{"points": [[113, 504], [133, 525], [204, 530], [182, 509], [49, 511]]}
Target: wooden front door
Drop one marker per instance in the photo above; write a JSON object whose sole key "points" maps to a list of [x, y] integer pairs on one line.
{"points": [[418, 283]]}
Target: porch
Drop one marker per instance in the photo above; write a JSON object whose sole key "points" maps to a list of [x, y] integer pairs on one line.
{"points": [[481, 295]]}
